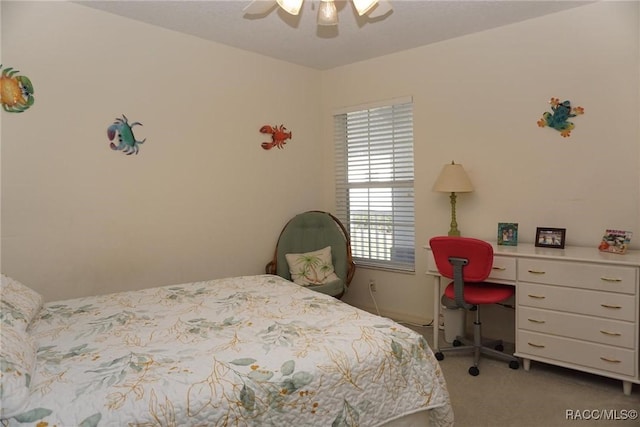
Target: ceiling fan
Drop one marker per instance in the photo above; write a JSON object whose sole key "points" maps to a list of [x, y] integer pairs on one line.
{"points": [[327, 12]]}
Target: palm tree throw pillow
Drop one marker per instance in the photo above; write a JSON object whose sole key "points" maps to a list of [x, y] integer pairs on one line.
{"points": [[312, 268]]}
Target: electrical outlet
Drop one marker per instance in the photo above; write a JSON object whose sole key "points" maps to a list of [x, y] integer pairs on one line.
{"points": [[372, 285]]}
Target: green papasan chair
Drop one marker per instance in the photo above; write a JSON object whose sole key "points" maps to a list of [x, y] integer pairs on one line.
{"points": [[304, 240]]}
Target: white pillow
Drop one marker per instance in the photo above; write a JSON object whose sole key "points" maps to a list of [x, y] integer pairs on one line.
{"points": [[17, 363], [312, 268], [19, 304]]}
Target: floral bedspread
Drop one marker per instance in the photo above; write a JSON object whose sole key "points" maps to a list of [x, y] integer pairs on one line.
{"points": [[244, 351]]}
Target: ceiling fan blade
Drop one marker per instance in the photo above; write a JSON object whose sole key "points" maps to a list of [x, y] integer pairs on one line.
{"points": [[259, 7], [382, 8]]}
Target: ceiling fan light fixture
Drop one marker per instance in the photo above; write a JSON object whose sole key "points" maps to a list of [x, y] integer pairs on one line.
{"points": [[327, 13], [290, 6], [364, 6]]}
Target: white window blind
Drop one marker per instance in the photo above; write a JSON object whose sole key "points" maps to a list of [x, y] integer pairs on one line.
{"points": [[374, 183]]}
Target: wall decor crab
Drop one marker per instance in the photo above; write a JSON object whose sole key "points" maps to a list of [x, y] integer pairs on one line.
{"points": [[558, 119], [16, 91], [126, 140], [279, 136]]}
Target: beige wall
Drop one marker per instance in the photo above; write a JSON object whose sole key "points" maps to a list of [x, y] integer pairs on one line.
{"points": [[203, 200], [1, 153], [477, 100]]}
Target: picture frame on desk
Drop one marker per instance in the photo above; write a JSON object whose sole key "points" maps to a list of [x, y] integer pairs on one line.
{"points": [[615, 241], [508, 233], [550, 237]]}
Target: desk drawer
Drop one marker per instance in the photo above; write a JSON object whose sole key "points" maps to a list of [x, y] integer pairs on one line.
{"points": [[577, 353], [579, 275], [580, 301], [594, 329], [504, 268]]}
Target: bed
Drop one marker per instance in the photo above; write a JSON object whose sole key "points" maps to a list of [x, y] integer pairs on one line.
{"points": [[242, 351]]}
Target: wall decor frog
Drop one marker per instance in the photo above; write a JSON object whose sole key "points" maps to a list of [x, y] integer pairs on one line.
{"points": [[558, 118]]}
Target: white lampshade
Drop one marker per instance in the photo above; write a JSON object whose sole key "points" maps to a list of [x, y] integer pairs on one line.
{"points": [[453, 179], [363, 6], [327, 13], [291, 6]]}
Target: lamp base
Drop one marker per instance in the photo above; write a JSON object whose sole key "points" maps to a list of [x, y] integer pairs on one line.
{"points": [[453, 231]]}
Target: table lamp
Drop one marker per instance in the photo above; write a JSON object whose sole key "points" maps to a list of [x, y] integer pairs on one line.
{"points": [[453, 179]]}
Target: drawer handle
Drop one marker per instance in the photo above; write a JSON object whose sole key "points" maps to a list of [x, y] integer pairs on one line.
{"points": [[499, 268], [617, 307], [610, 279], [536, 296], [539, 321], [610, 360], [613, 334], [536, 272], [536, 345]]}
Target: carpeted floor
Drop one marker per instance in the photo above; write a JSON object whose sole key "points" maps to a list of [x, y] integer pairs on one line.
{"points": [[544, 396]]}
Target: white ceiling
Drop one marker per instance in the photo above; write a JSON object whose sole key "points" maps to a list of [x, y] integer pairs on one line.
{"points": [[299, 40]]}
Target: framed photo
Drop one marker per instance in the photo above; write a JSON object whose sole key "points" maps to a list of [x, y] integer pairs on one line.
{"points": [[615, 241], [508, 233], [550, 237]]}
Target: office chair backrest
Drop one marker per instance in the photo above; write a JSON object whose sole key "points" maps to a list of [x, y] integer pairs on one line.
{"points": [[478, 253]]}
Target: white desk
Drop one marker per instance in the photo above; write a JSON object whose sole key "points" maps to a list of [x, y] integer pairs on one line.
{"points": [[575, 307]]}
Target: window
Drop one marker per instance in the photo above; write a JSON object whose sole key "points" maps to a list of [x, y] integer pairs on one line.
{"points": [[374, 183]]}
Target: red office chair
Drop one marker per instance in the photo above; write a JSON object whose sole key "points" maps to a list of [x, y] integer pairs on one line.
{"points": [[468, 262]]}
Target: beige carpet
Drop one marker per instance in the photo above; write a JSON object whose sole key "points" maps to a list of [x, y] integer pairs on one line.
{"points": [[540, 397]]}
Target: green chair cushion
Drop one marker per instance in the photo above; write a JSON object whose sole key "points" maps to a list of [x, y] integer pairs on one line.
{"points": [[332, 288]]}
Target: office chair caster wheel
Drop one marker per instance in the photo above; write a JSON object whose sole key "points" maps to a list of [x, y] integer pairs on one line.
{"points": [[514, 364], [499, 347], [474, 371], [457, 343], [439, 356]]}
